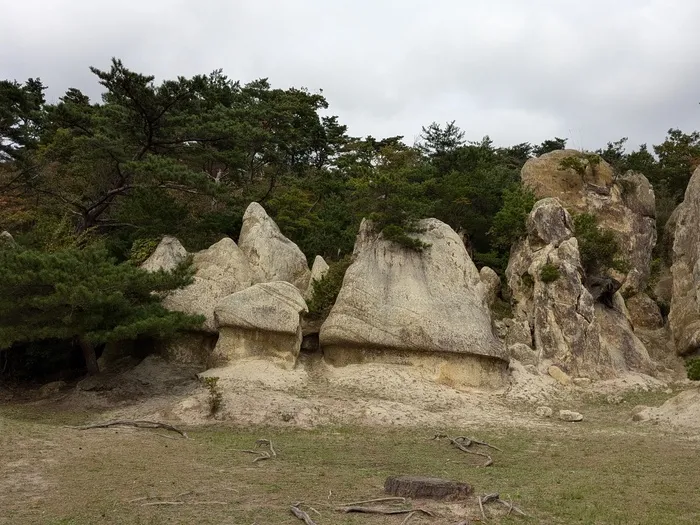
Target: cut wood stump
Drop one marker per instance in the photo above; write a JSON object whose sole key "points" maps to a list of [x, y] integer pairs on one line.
{"points": [[429, 488]]}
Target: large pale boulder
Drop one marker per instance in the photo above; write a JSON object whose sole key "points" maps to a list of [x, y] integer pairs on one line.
{"points": [[624, 204], [167, 255], [220, 270], [426, 308], [319, 269], [684, 317], [569, 328], [261, 321], [271, 255]]}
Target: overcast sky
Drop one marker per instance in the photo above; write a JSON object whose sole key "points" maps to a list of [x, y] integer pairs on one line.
{"points": [[517, 70]]}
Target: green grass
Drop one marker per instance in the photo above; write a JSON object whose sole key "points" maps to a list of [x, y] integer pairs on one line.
{"points": [[597, 473]]}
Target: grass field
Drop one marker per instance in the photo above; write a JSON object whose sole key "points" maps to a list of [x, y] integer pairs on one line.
{"points": [[602, 471]]}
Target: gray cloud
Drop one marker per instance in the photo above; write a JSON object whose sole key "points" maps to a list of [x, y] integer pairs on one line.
{"points": [[519, 71]]}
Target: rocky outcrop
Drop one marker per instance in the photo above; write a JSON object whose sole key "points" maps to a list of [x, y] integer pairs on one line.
{"points": [[684, 317], [6, 240], [624, 204], [644, 312], [569, 329], [318, 271], [220, 270], [271, 255], [426, 308], [492, 284], [261, 321], [167, 255]]}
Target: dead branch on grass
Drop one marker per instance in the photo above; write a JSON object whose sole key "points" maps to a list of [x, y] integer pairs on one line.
{"points": [[462, 442], [262, 454], [156, 503], [496, 498], [377, 500], [133, 423], [303, 516], [382, 510]]}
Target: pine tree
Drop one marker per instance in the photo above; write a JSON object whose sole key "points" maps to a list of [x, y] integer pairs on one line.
{"points": [[83, 296]]}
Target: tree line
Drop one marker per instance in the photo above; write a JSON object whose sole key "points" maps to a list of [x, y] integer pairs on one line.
{"points": [[102, 181]]}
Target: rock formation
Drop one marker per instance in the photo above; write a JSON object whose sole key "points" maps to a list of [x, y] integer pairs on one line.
{"points": [[492, 284], [220, 270], [6, 240], [427, 308], [318, 271], [167, 255], [569, 329], [684, 317], [624, 204], [261, 321], [271, 255]]}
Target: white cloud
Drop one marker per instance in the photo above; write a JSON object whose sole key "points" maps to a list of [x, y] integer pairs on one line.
{"points": [[518, 71]]}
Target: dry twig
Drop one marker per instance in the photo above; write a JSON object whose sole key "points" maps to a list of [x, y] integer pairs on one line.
{"points": [[382, 510], [133, 423], [378, 500], [303, 516], [262, 454], [496, 498], [462, 443]]}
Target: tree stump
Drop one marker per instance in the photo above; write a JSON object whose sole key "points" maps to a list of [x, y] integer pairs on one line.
{"points": [[430, 488]]}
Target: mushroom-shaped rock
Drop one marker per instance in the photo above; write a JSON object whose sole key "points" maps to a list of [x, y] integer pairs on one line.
{"points": [[220, 270], [318, 271], [492, 284], [167, 255], [261, 321], [684, 317], [426, 308], [272, 256], [624, 205]]}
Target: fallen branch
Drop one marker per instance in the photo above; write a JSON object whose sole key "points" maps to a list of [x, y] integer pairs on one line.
{"points": [[496, 498], [301, 514], [133, 423], [462, 443], [154, 503], [408, 518], [378, 500], [382, 510], [262, 454]]}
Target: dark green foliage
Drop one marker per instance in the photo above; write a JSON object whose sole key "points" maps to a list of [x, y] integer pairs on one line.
{"points": [[692, 366], [142, 250], [550, 145], [509, 224], [598, 247], [325, 291], [549, 273], [74, 294], [580, 163]]}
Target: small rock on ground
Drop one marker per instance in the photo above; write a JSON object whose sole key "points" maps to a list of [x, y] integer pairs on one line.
{"points": [[544, 411], [570, 416], [557, 373]]}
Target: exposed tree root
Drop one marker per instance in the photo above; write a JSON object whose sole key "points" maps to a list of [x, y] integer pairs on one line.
{"points": [[462, 442], [496, 498], [303, 516], [133, 423], [382, 510], [262, 454]]}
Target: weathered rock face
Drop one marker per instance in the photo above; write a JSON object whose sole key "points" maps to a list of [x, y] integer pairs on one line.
{"points": [[427, 308], [318, 271], [492, 284], [221, 269], [6, 240], [271, 255], [684, 317], [644, 312], [261, 321], [167, 255], [569, 328], [624, 205]]}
